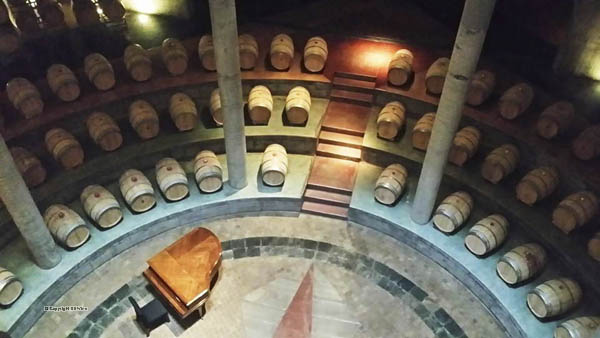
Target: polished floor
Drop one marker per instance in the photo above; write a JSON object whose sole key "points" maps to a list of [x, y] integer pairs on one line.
{"points": [[303, 276]]}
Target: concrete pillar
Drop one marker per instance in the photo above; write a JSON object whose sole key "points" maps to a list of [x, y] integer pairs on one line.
{"points": [[467, 48], [225, 40], [24, 212]]}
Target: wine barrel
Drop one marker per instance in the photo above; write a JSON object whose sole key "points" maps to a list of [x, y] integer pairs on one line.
{"points": [[9, 39], [453, 211], [144, 119], [171, 179], [554, 297], [51, 14], [215, 107], [315, 54], [436, 75], [206, 52], [297, 105], [86, 13], [537, 185], [464, 145], [516, 100], [64, 147], [29, 166], [24, 19], [174, 56], [390, 120], [101, 205], [400, 67], [487, 234], [390, 184], [66, 226], [138, 63], [25, 97], [555, 119], [422, 131], [62, 82], [11, 287], [587, 145], [260, 105], [137, 190], [580, 327], [575, 211], [500, 163], [521, 263], [113, 9], [274, 166], [104, 131], [208, 171], [183, 111], [99, 71], [282, 51], [248, 51], [481, 86], [594, 247]]}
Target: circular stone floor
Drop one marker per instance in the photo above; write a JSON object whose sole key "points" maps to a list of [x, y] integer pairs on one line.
{"points": [[286, 277]]}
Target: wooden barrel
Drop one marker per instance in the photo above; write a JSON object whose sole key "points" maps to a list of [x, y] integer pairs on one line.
{"points": [[436, 75], [464, 145], [575, 211], [516, 100], [297, 105], [248, 51], [206, 52], [25, 97], [390, 184], [25, 19], [64, 147], [390, 120], [537, 184], [400, 67], [274, 165], [183, 111], [487, 234], [260, 105], [66, 226], [208, 171], [481, 86], [171, 179], [137, 190], [104, 131], [11, 287], [9, 39], [51, 14], [101, 205], [29, 166], [554, 297], [580, 327], [500, 163], [215, 107], [453, 211], [63, 82], [144, 119], [282, 51], [587, 145], [521, 263], [594, 247], [86, 13], [422, 131], [99, 71], [138, 63], [555, 119], [315, 54], [174, 56], [113, 9]]}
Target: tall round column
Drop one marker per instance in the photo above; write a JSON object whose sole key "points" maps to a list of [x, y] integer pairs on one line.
{"points": [[225, 40], [467, 48]]}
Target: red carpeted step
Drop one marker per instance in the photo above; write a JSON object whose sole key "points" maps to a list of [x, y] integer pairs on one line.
{"points": [[333, 175], [347, 96], [327, 197], [355, 76], [341, 152], [346, 118], [353, 85], [340, 139], [325, 210]]}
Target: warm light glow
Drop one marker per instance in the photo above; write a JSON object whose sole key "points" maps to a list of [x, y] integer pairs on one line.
{"points": [[376, 59], [594, 72], [145, 6], [143, 19], [99, 10]]}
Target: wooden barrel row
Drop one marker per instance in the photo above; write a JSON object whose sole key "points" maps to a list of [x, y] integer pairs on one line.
{"points": [[587, 144], [144, 119], [64, 147], [174, 56], [11, 287], [282, 51], [274, 165], [422, 131], [390, 120], [260, 105], [248, 48], [390, 184], [66, 226], [452, 213], [487, 234], [137, 62], [436, 75], [464, 146], [500, 163], [481, 87], [538, 184], [555, 119], [554, 297], [400, 67], [516, 100], [580, 327]]}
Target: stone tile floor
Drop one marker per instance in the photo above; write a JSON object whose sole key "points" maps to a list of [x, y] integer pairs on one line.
{"points": [[364, 282]]}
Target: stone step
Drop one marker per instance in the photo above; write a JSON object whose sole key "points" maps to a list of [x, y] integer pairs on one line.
{"points": [[362, 99], [327, 197], [355, 76], [331, 174], [341, 152], [324, 210], [353, 85], [340, 139], [346, 118]]}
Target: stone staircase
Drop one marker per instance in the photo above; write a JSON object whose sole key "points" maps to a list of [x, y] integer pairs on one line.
{"points": [[330, 183]]}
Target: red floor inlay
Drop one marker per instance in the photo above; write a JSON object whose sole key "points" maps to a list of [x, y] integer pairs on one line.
{"points": [[297, 320]]}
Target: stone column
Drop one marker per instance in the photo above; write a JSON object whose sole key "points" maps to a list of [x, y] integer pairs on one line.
{"points": [[467, 48], [225, 40], [24, 212]]}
